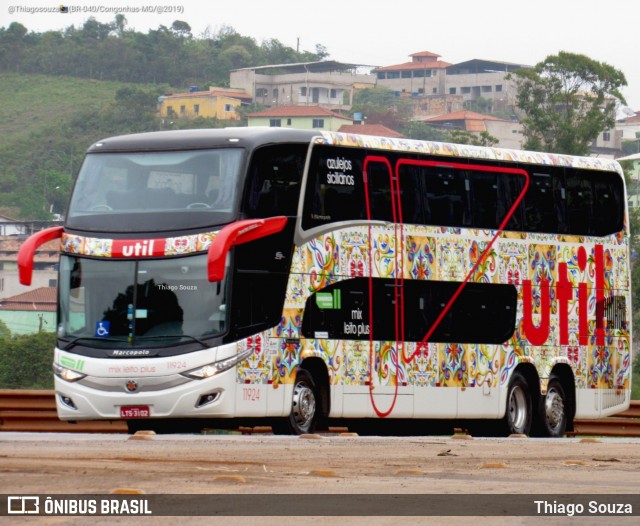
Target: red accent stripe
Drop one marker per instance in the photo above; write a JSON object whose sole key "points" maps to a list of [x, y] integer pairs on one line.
{"points": [[501, 227], [399, 279], [28, 250], [238, 233], [397, 319]]}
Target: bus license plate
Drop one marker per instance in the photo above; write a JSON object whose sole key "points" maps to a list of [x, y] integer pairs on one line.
{"points": [[135, 411]]}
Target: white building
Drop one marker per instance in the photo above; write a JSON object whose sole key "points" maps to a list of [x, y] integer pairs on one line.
{"points": [[327, 83]]}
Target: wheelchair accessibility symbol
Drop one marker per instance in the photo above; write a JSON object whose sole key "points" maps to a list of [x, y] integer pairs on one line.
{"points": [[102, 329]]}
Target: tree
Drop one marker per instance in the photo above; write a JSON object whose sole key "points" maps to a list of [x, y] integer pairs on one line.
{"points": [[465, 137], [182, 29], [422, 132], [120, 22], [568, 99], [275, 52], [479, 105], [13, 42], [382, 106], [94, 30], [25, 361], [321, 52]]}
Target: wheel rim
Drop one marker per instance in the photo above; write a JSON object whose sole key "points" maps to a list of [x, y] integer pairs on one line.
{"points": [[304, 405], [518, 408], [554, 409]]}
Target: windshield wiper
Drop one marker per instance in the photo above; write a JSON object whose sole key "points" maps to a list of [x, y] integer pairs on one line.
{"points": [[164, 337], [75, 341]]}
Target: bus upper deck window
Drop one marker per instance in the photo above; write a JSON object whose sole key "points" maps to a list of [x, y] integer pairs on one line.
{"points": [[274, 181]]}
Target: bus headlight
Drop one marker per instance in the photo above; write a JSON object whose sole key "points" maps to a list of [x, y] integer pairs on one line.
{"points": [[68, 375], [211, 369]]}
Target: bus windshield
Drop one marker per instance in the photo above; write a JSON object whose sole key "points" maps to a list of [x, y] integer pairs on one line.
{"points": [[122, 304], [155, 191]]}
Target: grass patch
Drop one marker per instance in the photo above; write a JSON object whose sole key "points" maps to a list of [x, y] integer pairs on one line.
{"points": [[32, 102]]}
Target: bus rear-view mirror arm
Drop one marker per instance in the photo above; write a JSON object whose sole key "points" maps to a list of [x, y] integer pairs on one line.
{"points": [[28, 250], [236, 234]]}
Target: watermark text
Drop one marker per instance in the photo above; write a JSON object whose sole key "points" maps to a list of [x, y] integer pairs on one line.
{"points": [[96, 9]]}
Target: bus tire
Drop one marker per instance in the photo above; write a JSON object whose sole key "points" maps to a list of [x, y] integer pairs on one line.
{"points": [[304, 406], [518, 414], [553, 408]]}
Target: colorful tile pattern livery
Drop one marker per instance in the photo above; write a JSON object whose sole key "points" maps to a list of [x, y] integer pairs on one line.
{"points": [[425, 253], [431, 253]]}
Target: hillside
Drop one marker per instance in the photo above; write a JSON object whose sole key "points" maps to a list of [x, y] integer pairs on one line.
{"points": [[48, 122], [32, 103]]}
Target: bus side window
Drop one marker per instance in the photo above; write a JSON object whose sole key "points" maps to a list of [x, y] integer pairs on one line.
{"points": [[482, 313], [607, 206], [594, 203], [509, 189], [579, 203], [543, 204], [447, 196], [411, 195], [379, 188], [274, 181], [484, 195]]}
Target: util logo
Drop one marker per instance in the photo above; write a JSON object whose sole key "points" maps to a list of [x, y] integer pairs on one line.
{"points": [[137, 248], [538, 335]]}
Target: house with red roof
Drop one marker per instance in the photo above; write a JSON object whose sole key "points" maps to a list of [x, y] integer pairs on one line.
{"points": [[299, 117], [45, 265], [464, 120], [30, 312], [508, 132], [376, 130]]}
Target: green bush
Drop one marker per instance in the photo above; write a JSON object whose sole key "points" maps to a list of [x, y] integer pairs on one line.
{"points": [[26, 361]]}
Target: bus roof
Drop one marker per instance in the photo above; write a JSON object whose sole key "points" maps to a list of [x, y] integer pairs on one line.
{"points": [[256, 136], [200, 139], [467, 151]]}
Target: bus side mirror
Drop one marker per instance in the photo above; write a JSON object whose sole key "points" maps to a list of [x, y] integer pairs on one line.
{"points": [[236, 234], [28, 249]]}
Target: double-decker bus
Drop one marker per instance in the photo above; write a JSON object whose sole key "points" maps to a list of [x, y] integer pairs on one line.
{"points": [[300, 276]]}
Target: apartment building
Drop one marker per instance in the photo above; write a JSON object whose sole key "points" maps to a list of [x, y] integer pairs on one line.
{"points": [[327, 83], [423, 75], [474, 80]]}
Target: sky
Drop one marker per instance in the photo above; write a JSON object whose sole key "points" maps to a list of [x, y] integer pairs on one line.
{"points": [[384, 32]]}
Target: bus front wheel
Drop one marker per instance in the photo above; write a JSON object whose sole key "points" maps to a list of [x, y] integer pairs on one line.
{"points": [[518, 415], [304, 407]]}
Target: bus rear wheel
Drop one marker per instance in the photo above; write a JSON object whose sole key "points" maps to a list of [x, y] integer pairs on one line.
{"points": [[553, 410], [304, 407], [518, 416]]}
